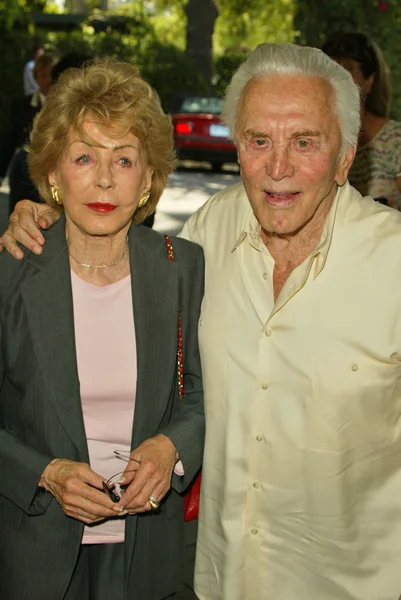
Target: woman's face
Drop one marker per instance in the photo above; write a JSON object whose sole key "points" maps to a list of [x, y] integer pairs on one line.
{"points": [[354, 68], [101, 183]]}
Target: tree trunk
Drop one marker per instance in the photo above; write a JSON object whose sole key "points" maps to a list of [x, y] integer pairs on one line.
{"points": [[201, 18]]}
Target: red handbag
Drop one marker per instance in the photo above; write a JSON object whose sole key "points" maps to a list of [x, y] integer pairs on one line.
{"points": [[192, 497]]}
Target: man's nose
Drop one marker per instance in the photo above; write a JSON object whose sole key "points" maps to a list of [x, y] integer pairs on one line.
{"points": [[279, 164]]}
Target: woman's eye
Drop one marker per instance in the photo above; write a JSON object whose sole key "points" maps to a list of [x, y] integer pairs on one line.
{"points": [[125, 162], [84, 159]]}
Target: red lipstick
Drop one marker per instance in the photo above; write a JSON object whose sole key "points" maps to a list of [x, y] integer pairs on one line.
{"points": [[101, 207]]}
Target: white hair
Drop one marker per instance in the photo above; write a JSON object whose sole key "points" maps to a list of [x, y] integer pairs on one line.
{"points": [[289, 59]]}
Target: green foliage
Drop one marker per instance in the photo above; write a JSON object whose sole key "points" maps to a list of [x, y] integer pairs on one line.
{"points": [[169, 29], [247, 23], [314, 20], [155, 40], [224, 67]]}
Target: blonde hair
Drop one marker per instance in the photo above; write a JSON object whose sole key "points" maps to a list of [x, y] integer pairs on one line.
{"points": [[115, 95]]}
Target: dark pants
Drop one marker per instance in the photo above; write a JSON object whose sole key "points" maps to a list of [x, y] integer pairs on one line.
{"points": [[99, 574]]}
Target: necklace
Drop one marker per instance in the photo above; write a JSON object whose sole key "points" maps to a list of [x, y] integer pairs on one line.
{"points": [[88, 266]]}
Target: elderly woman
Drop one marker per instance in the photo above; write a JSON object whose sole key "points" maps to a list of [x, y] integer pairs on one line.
{"points": [[376, 170], [90, 380]]}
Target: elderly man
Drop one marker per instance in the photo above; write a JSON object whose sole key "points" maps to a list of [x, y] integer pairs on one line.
{"points": [[300, 338]]}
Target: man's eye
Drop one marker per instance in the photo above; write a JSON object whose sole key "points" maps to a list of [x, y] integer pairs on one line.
{"points": [[303, 143], [260, 142]]}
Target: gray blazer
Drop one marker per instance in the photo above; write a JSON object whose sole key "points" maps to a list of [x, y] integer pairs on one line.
{"points": [[41, 416]]}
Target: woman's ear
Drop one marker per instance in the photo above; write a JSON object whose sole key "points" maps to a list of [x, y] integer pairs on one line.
{"points": [[148, 179], [368, 84], [52, 179]]}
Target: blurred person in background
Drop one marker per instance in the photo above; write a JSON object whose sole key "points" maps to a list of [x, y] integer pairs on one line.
{"points": [[376, 170], [23, 112], [29, 82], [90, 368]]}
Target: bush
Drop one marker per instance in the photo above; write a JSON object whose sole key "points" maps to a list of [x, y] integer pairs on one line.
{"points": [[224, 68]]}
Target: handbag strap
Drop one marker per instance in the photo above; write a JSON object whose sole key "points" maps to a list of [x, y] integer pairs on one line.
{"points": [[180, 361]]}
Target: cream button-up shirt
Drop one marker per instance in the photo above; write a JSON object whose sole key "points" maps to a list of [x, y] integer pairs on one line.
{"points": [[301, 490]]}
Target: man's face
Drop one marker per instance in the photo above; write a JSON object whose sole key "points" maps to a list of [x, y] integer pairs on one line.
{"points": [[288, 141]]}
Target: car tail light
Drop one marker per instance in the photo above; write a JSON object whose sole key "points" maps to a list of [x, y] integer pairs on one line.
{"points": [[183, 128]]}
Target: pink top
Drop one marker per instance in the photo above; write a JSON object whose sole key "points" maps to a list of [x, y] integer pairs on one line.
{"points": [[107, 370]]}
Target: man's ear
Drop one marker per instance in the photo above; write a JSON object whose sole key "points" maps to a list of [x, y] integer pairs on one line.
{"points": [[344, 165]]}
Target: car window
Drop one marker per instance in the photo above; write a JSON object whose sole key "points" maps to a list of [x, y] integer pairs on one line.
{"points": [[202, 104]]}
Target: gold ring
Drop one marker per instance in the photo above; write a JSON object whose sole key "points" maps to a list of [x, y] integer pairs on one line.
{"points": [[154, 503]]}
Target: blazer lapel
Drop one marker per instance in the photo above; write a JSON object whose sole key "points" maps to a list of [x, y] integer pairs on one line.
{"points": [[155, 293], [48, 301]]}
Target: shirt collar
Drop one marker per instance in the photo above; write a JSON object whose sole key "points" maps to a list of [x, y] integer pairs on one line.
{"points": [[251, 229]]}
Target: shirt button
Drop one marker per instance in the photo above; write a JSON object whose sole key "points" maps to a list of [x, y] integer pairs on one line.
{"points": [[254, 531], [264, 386], [256, 485], [268, 332], [265, 275], [259, 438], [354, 367]]}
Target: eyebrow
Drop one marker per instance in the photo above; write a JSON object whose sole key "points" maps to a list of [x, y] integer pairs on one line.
{"points": [[125, 146], [297, 134], [122, 147], [306, 133]]}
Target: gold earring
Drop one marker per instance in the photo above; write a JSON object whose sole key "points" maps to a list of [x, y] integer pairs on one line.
{"points": [[143, 199], [55, 195]]}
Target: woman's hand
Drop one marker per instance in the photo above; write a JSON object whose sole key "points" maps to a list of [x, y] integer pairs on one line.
{"points": [[24, 226], [78, 490], [156, 457]]}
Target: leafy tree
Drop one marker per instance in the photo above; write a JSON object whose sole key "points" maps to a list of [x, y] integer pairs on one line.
{"points": [[314, 20], [229, 25]]}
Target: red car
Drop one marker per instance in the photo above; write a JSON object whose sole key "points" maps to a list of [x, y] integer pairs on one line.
{"points": [[199, 133]]}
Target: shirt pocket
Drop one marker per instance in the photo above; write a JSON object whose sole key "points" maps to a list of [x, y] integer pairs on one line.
{"points": [[353, 399]]}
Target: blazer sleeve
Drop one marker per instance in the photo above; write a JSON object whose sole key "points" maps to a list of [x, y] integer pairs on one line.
{"points": [[21, 464], [187, 428]]}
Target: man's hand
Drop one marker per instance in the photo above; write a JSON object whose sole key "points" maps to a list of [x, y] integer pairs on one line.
{"points": [[24, 226], [156, 457], [77, 489]]}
